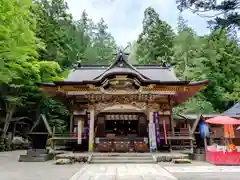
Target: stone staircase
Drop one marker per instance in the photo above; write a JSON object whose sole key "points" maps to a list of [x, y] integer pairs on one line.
{"points": [[122, 158]]}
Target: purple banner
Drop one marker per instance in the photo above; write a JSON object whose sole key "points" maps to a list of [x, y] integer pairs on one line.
{"points": [[156, 121]]}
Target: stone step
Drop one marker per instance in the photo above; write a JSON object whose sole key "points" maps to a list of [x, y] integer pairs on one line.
{"points": [[123, 155], [42, 158], [114, 161], [36, 152], [122, 158], [117, 158]]}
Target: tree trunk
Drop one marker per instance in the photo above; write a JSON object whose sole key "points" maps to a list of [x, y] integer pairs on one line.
{"points": [[8, 119], [185, 66], [38, 112]]}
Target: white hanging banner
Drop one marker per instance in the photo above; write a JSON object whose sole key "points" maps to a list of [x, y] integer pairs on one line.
{"points": [[80, 131], [152, 137]]}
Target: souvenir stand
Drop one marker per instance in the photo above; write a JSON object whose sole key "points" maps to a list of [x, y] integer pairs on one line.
{"points": [[228, 155]]}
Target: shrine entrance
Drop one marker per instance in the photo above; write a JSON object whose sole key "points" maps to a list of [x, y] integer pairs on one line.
{"points": [[121, 130]]}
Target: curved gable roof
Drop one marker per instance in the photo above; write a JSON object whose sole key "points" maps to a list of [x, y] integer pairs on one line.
{"points": [[95, 73], [235, 110], [121, 66]]}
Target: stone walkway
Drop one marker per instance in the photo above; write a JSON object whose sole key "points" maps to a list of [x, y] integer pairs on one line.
{"points": [[122, 172], [203, 169], [206, 172], [11, 169]]}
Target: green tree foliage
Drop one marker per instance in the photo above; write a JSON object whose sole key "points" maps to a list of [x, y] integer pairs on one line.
{"points": [[184, 46], [103, 43], [221, 66], [19, 58], [57, 31], [40, 42], [99, 43], [188, 66], [214, 57], [18, 42], [132, 50], [195, 105], [18, 50], [66, 40], [155, 43], [221, 14]]}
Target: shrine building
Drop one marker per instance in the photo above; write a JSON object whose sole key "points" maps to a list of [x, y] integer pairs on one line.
{"points": [[124, 107]]}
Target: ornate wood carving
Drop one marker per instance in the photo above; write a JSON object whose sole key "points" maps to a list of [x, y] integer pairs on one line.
{"points": [[120, 85], [164, 88], [80, 88], [101, 106], [92, 107], [153, 107], [164, 107], [125, 96]]}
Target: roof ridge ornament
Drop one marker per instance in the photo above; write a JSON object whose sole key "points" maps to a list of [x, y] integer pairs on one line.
{"points": [[78, 63], [121, 54], [121, 62]]}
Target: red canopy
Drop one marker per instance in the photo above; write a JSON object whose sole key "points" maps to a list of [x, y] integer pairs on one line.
{"points": [[223, 120]]}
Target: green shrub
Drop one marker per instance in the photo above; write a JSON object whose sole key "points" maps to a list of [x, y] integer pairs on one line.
{"points": [[5, 145]]}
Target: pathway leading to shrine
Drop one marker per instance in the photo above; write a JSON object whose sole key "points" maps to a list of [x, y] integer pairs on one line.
{"points": [[195, 171], [122, 172]]}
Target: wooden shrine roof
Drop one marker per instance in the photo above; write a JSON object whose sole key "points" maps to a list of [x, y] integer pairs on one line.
{"points": [[162, 78], [233, 111], [154, 72], [122, 66], [92, 74]]}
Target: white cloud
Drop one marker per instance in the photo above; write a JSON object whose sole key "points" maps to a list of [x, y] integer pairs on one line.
{"points": [[124, 17]]}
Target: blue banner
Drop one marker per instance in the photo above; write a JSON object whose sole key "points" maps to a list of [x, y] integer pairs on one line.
{"points": [[204, 130]]}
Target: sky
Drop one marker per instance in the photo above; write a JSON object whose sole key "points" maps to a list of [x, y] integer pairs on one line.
{"points": [[124, 17]]}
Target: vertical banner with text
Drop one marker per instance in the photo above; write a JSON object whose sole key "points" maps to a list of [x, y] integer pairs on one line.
{"points": [[152, 137], [156, 120]]}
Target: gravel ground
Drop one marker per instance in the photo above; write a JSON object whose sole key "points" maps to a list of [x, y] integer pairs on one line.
{"points": [[11, 169]]}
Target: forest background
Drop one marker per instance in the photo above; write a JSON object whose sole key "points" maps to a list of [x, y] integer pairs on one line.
{"points": [[41, 42]]}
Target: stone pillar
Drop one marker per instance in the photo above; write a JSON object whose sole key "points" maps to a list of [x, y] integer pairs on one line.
{"points": [[91, 130]]}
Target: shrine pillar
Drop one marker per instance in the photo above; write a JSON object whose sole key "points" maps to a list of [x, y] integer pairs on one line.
{"points": [[91, 130]]}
